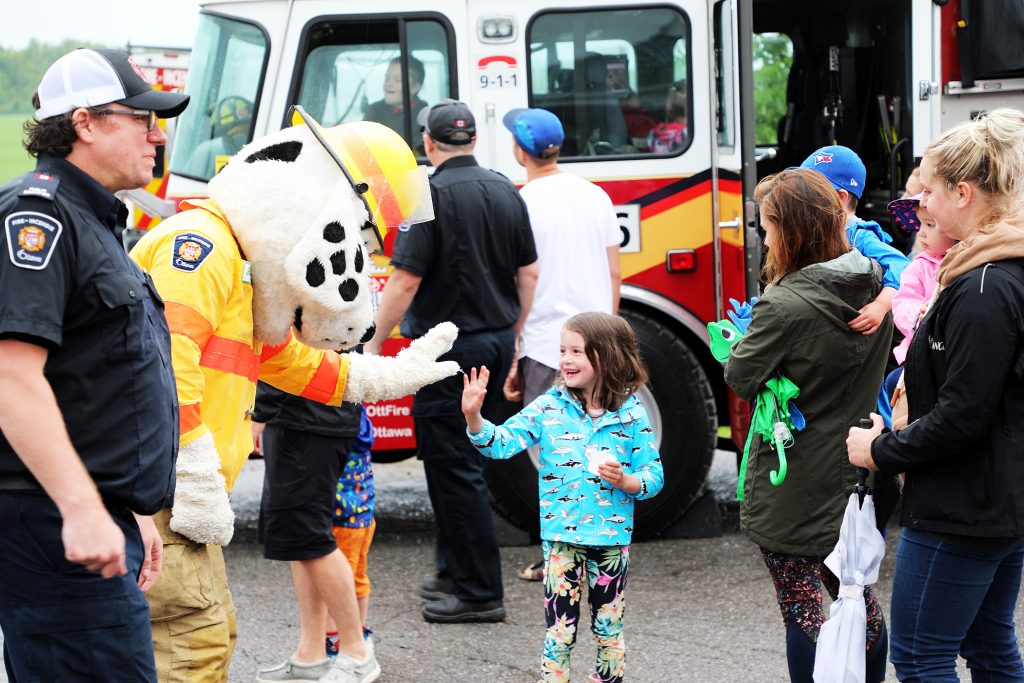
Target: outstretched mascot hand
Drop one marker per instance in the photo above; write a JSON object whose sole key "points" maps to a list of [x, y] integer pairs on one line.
{"points": [[380, 378], [201, 510]]}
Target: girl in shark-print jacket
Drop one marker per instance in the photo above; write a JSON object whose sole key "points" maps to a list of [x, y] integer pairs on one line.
{"points": [[577, 506]]}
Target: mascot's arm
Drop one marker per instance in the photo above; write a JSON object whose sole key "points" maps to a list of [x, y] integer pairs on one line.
{"points": [[329, 377], [304, 371], [194, 302], [380, 378]]}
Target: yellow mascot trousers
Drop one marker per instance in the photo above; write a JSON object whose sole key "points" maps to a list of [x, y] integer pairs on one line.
{"points": [[191, 611]]}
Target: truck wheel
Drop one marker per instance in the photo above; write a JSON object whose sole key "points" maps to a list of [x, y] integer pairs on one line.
{"points": [[682, 411]]}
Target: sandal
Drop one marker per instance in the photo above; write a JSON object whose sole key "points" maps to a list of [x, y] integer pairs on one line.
{"points": [[533, 572]]}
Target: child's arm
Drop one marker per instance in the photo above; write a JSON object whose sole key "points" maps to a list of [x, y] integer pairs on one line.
{"points": [[648, 476], [893, 262], [474, 388], [872, 314], [518, 433]]}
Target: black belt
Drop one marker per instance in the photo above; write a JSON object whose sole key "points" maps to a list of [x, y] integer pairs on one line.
{"points": [[18, 482]]}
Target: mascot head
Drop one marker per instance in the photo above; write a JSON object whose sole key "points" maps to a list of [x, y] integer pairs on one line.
{"points": [[307, 206]]}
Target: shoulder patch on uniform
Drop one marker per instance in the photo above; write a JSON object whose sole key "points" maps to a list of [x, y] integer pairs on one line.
{"points": [[190, 250], [31, 237], [39, 185]]}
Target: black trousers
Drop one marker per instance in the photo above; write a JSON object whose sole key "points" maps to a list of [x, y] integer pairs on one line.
{"points": [[61, 621], [467, 548]]}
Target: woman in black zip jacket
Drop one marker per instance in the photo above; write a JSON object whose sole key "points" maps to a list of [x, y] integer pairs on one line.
{"points": [[958, 566]]}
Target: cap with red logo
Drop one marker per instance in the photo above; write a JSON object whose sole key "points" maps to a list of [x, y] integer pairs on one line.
{"points": [[91, 78], [841, 166], [448, 121]]}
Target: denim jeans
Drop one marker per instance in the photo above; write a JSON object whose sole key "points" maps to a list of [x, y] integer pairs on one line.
{"points": [[949, 600]]}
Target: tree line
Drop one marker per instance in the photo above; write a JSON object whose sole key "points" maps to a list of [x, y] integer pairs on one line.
{"points": [[21, 71]]}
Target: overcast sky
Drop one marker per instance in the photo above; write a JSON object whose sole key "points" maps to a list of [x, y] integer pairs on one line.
{"points": [[171, 23]]}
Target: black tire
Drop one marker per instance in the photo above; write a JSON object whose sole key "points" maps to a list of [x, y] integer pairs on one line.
{"points": [[682, 409]]}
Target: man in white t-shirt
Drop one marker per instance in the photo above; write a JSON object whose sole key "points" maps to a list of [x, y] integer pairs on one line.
{"points": [[577, 236]]}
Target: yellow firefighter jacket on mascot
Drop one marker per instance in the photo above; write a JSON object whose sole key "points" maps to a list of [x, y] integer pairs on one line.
{"points": [[264, 281]]}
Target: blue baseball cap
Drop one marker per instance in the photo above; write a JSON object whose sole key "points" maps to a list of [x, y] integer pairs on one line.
{"points": [[537, 131], [841, 166]]}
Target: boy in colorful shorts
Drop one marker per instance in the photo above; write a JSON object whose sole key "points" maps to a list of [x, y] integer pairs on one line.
{"points": [[353, 521]]}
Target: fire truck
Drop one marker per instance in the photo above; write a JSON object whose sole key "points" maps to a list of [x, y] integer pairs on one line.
{"points": [[751, 86]]}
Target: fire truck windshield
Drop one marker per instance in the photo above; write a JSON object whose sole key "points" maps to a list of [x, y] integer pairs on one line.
{"points": [[227, 68]]}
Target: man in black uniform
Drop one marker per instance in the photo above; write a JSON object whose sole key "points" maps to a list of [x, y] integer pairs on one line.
{"points": [[476, 265], [88, 414]]}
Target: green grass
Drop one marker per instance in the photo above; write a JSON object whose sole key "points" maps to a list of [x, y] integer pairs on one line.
{"points": [[14, 160]]}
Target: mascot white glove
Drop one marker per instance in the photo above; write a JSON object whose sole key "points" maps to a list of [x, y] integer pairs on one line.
{"points": [[201, 510], [380, 378]]}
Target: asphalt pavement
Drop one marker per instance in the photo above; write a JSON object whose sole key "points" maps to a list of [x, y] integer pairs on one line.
{"points": [[697, 609]]}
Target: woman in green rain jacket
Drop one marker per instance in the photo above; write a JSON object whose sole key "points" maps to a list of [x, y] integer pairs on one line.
{"points": [[799, 329]]}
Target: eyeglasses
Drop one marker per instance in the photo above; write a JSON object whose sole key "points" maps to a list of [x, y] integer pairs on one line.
{"points": [[142, 115]]}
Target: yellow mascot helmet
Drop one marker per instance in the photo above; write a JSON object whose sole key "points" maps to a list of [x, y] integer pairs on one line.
{"points": [[381, 169]]}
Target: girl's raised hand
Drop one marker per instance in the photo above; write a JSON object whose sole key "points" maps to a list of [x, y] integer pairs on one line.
{"points": [[474, 388]]}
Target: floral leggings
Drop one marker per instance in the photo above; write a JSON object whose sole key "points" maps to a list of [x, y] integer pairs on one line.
{"points": [[606, 568], [798, 583]]}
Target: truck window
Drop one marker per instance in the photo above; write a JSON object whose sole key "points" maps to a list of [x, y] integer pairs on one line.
{"points": [[224, 78], [724, 74], [773, 58], [383, 70], [618, 79]]}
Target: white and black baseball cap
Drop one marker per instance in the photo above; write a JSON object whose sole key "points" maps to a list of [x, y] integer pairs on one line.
{"points": [[92, 78]]}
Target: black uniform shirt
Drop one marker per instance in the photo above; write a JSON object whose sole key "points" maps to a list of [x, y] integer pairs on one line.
{"points": [[469, 254], [67, 284]]}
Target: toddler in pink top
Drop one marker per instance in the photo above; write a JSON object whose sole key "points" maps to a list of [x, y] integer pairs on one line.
{"points": [[917, 283]]}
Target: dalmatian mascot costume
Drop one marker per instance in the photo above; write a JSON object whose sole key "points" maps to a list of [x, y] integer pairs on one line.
{"points": [[266, 280]]}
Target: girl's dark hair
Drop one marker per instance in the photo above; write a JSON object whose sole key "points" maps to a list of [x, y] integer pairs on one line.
{"points": [[611, 347], [53, 135], [810, 222]]}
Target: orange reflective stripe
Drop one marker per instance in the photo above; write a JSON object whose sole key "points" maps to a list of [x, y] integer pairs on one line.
{"points": [[187, 321], [321, 388], [271, 350], [234, 357], [189, 417], [387, 203]]}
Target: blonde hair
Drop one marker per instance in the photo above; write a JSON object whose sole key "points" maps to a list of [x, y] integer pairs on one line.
{"points": [[611, 348], [987, 152]]}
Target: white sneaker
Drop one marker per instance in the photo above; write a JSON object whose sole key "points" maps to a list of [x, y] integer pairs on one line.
{"points": [[346, 670], [291, 671]]}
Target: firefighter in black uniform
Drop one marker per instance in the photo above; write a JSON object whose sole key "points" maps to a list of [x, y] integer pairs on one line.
{"points": [[475, 264], [88, 415]]}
